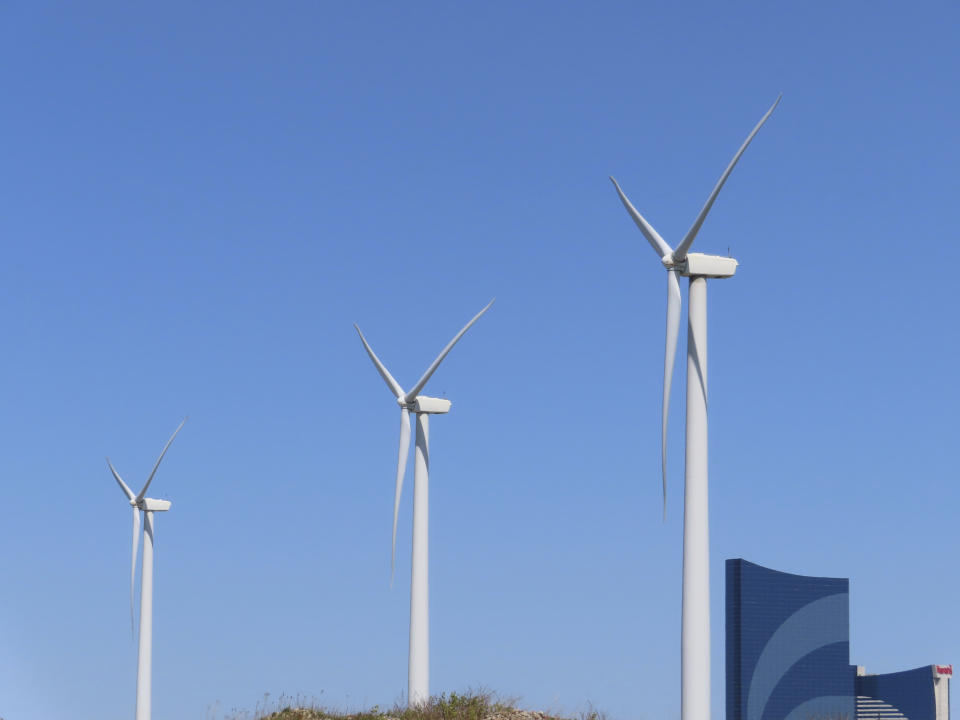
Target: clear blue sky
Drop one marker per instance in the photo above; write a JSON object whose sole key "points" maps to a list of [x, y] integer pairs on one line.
{"points": [[198, 202]]}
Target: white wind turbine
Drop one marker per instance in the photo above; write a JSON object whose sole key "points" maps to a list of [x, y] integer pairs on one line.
{"points": [[148, 506], [418, 677], [695, 623]]}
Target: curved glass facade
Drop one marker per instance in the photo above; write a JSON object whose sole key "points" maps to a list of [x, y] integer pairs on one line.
{"points": [[907, 694], [788, 645]]}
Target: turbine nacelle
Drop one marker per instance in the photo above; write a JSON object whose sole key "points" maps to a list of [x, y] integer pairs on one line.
{"points": [[431, 405], [424, 404], [700, 265], [151, 505], [710, 266]]}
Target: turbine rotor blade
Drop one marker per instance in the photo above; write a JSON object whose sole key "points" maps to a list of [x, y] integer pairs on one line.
{"points": [[670, 354], [401, 469], [381, 368], [681, 252], [143, 492], [410, 396], [133, 562], [653, 237], [123, 486]]}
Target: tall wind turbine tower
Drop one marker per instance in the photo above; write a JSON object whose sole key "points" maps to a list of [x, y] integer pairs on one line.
{"points": [[695, 622], [418, 678], [148, 506]]}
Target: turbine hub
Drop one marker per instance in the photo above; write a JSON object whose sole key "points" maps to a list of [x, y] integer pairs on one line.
{"points": [[668, 261]]}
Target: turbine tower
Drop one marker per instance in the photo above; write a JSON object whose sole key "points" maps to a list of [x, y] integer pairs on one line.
{"points": [[695, 623], [148, 506], [418, 678]]}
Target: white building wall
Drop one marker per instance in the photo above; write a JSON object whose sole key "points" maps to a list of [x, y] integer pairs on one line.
{"points": [[941, 690]]}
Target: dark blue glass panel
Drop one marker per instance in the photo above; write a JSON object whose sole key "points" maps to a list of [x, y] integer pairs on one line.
{"points": [[910, 691]]}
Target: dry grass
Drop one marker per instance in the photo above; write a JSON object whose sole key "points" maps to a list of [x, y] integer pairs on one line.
{"points": [[472, 705]]}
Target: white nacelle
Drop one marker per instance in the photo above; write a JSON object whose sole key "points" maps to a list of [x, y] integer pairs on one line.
{"points": [[433, 406], [711, 266], [155, 505]]}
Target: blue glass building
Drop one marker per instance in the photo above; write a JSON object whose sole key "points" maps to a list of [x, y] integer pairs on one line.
{"points": [[788, 645], [788, 655]]}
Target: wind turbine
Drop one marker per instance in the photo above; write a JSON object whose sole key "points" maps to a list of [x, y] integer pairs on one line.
{"points": [[418, 677], [695, 623], [148, 506]]}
